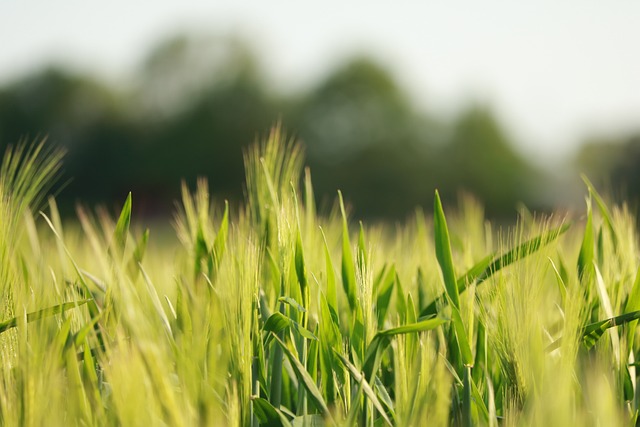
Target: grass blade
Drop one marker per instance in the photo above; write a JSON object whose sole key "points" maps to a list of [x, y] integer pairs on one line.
{"points": [[445, 260], [511, 256], [360, 379], [267, 414], [603, 209], [220, 242], [384, 293], [138, 254], [122, 226], [421, 326], [523, 250], [381, 340], [307, 382], [332, 298], [443, 252], [46, 312], [587, 256], [592, 332], [348, 266], [633, 304]]}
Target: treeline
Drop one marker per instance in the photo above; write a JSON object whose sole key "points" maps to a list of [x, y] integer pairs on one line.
{"points": [[196, 102]]}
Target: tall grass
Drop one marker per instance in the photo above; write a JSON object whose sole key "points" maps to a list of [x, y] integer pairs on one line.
{"points": [[275, 315]]}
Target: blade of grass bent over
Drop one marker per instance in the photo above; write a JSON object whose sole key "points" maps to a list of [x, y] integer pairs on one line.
{"points": [[46, 312], [486, 268], [267, 414], [381, 340]]}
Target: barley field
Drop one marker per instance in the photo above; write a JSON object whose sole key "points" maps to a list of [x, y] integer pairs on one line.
{"points": [[275, 315]]}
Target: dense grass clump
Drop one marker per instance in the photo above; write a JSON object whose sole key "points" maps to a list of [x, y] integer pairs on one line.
{"points": [[275, 315]]}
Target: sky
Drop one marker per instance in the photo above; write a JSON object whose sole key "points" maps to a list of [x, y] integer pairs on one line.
{"points": [[553, 72]]}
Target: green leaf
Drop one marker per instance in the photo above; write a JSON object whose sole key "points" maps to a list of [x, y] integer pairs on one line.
{"points": [[604, 211], [301, 271], [445, 260], [461, 336], [627, 384], [293, 303], [467, 420], [138, 253], [90, 376], [511, 256], [592, 332], [201, 251], [332, 297], [46, 312], [268, 415], [329, 339], [586, 256], [313, 355], [306, 381], [276, 322], [401, 301], [81, 335], [356, 400], [633, 304], [360, 379], [362, 249], [122, 226], [384, 293], [479, 401], [220, 242], [348, 266], [480, 363], [479, 269], [421, 326], [93, 307], [562, 287], [304, 332], [381, 340], [384, 397], [443, 252], [523, 250]]}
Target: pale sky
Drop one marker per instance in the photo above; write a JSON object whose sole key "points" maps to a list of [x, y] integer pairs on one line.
{"points": [[553, 71]]}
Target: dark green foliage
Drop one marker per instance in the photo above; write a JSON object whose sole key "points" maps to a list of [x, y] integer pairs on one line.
{"points": [[194, 110]]}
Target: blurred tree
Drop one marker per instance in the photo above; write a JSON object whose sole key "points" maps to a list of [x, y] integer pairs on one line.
{"points": [[53, 102], [597, 157], [351, 109], [198, 100], [626, 174], [479, 158], [81, 115], [612, 163], [364, 137], [183, 70], [204, 101]]}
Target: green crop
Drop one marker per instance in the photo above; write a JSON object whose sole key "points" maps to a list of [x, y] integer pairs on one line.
{"points": [[277, 315]]}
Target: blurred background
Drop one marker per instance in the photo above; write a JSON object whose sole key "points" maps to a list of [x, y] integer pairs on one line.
{"points": [[505, 101]]}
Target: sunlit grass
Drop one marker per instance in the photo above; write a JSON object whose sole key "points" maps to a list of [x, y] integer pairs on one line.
{"points": [[275, 315]]}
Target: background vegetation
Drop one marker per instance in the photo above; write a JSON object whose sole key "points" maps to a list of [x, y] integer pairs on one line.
{"points": [[197, 101]]}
